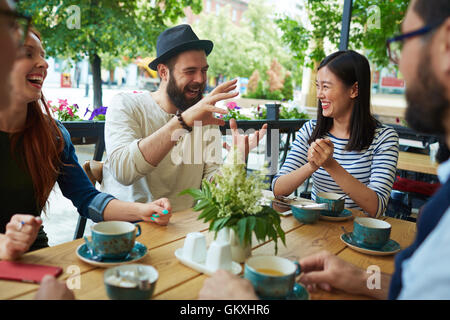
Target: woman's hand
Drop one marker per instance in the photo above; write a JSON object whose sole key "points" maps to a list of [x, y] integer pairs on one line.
{"points": [[320, 153], [159, 211], [20, 234]]}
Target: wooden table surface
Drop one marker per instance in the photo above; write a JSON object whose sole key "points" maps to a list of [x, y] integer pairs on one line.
{"points": [[177, 281], [416, 162]]}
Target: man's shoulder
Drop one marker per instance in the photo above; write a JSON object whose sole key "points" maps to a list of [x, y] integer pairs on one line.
{"points": [[132, 99]]}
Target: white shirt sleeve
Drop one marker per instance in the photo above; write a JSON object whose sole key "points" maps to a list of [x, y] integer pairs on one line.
{"points": [[123, 131]]}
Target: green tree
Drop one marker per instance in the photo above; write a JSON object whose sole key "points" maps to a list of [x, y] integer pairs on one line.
{"points": [[373, 21], [239, 50], [91, 28], [233, 53]]}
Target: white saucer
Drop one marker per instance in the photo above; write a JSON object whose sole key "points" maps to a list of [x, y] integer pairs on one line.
{"points": [[201, 267]]}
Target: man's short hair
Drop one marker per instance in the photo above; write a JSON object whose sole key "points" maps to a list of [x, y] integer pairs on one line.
{"points": [[432, 11]]}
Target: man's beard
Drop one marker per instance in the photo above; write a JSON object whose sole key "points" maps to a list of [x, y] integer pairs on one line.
{"points": [[177, 95], [427, 103]]}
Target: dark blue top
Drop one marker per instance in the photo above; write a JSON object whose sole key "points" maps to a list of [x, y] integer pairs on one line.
{"points": [[429, 219], [16, 187], [76, 186]]}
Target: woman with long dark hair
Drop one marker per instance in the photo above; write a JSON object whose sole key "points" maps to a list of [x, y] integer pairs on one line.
{"points": [[36, 152], [346, 150]]}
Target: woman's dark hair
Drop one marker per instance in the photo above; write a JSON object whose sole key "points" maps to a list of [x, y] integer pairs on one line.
{"points": [[350, 67], [43, 144]]}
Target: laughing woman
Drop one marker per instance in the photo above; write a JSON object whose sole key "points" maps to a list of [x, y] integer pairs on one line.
{"points": [[346, 150], [36, 152]]}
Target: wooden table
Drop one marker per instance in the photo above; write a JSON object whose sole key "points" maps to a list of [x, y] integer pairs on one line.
{"points": [[416, 162], [177, 281]]}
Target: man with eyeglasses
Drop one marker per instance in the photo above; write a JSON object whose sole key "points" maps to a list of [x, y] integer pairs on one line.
{"points": [[13, 30], [10, 39], [422, 271]]}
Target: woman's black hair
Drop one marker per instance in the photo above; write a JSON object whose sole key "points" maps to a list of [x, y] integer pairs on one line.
{"points": [[350, 67]]}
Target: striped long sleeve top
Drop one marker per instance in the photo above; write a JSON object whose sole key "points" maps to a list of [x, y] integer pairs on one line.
{"points": [[375, 167]]}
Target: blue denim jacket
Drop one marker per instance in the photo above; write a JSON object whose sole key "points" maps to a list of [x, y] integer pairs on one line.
{"points": [[76, 186]]}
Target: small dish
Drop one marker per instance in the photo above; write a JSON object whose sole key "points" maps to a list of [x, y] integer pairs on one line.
{"points": [[344, 215], [201, 266], [137, 253], [130, 282], [390, 248]]}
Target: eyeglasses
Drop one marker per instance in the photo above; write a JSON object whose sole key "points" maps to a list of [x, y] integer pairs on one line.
{"points": [[395, 44], [18, 23]]}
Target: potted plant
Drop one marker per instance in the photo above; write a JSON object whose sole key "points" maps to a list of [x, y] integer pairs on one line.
{"points": [[233, 112], [97, 114], [81, 131], [65, 112], [233, 200]]}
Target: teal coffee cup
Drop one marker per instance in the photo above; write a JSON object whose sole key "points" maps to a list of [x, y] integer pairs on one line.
{"points": [[370, 233], [272, 277], [113, 239]]}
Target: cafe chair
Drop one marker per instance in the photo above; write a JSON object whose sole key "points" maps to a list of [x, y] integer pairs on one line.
{"points": [[94, 171]]}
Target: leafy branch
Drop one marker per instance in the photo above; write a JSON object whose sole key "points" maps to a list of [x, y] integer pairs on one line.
{"points": [[233, 201]]}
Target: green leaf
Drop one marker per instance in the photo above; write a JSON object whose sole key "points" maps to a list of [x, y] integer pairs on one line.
{"points": [[260, 228], [242, 230], [202, 204], [251, 225], [195, 193], [206, 189], [218, 224], [223, 222], [208, 214]]}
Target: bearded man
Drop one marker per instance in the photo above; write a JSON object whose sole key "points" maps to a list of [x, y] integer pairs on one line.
{"points": [[160, 143]]}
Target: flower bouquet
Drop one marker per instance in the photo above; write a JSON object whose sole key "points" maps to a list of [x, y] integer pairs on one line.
{"points": [[234, 200]]}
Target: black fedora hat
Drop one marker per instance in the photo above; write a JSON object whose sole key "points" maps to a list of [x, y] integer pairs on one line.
{"points": [[176, 40]]}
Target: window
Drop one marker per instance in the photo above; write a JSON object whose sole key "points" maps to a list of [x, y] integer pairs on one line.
{"points": [[208, 6], [234, 15], [217, 9]]}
